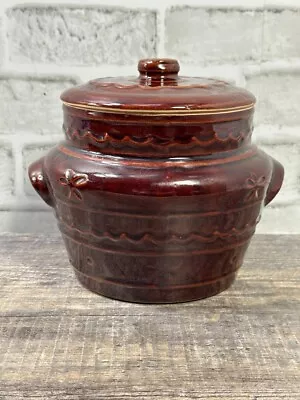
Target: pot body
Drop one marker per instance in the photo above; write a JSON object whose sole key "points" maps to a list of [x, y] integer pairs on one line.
{"points": [[156, 213]]}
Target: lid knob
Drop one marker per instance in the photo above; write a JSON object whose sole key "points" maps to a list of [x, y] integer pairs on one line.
{"points": [[158, 66], [158, 69]]}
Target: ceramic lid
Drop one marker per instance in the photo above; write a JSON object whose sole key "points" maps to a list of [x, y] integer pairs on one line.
{"points": [[159, 90]]}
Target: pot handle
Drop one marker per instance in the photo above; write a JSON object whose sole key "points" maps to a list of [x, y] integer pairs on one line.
{"points": [[276, 181], [38, 181]]}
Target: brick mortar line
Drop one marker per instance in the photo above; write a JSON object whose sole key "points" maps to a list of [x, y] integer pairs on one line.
{"points": [[282, 4], [19, 174], [160, 26], [273, 134], [277, 65], [26, 138], [36, 71], [64, 72], [24, 204], [8, 148], [129, 4], [82, 74], [280, 204], [4, 40], [155, 4]]}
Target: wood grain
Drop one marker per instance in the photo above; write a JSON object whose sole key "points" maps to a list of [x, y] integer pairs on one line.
{"points": [[59, 341]]}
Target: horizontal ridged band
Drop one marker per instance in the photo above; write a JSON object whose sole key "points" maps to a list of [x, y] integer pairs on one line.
{"points": [[113, 110]]}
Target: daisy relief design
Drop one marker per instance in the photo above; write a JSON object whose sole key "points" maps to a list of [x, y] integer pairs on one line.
{"points": [[255, 185], [73, 181]]}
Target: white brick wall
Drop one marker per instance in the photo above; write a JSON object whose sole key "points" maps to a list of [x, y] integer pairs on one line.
{"points": [[7, 171], [195, 41], [80, 36], [281, 34], [278, 95], [31, 104], [46, 46]]}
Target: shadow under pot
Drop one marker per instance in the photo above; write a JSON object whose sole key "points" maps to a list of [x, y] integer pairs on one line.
{"points": [[157, 188]]}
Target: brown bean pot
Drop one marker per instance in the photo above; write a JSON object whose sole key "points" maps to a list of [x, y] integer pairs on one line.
{"points": [[157, 188]]}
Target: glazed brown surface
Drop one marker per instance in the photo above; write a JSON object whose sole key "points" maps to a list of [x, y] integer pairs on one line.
{"points": [[157, 208], [61, 342], [136, 138], [159, 87]]}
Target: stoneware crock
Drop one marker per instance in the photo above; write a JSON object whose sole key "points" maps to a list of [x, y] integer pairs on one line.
{"points": [[157, 188]]}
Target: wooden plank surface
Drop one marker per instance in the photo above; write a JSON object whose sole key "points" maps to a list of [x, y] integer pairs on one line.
{"points": [[59, 341]]}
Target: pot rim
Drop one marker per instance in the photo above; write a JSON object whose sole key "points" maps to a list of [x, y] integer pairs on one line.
{"points": [[160, 112]]}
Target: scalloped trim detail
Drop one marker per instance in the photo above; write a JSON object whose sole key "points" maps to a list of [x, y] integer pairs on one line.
{"points": [[170, 237], [153, 141]]}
